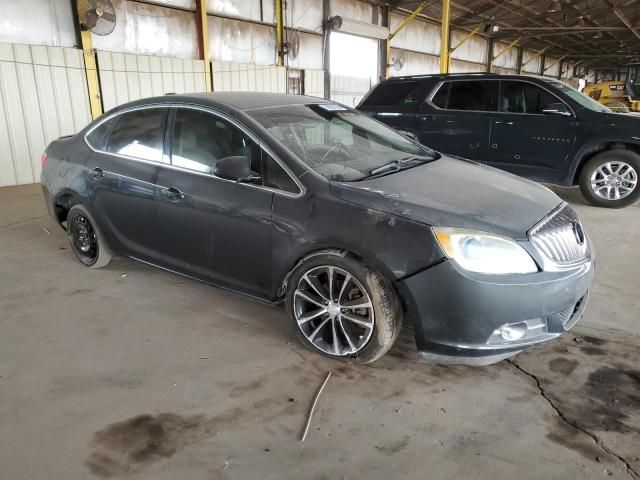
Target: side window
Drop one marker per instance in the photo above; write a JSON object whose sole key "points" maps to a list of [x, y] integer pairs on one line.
{"points": [[477, 95], [274, 176], [97, 138], [395, 93], [200, 139], [139, 134], [523, 97]]}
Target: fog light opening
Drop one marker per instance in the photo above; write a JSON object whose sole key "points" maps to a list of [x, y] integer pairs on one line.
{"points": [[512, 331]]}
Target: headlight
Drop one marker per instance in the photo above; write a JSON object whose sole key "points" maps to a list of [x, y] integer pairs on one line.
{"points": [[484, 252]]}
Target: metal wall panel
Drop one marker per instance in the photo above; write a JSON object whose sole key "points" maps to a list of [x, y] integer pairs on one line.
{"points": [[40, 22], [241, 42], [150, 30], [415, 64], [309, 54], [551, 71], [474, 49], [314, 83], [508, 59], [125, 77], [459, 66], [534, 65], [245, 9], [43, 95], [248, 77], [352, 9], [417, 36]]}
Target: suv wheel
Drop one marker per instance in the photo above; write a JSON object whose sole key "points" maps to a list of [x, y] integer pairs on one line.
{"points": [[610, 179], [343, 309]]}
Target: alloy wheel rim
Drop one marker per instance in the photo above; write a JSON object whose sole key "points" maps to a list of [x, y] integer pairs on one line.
{"points": [[614, 180], [83, 239], [333, 310]]}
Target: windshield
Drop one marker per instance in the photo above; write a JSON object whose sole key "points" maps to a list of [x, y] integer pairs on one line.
{"points": [[336, 142], [582, 99]]}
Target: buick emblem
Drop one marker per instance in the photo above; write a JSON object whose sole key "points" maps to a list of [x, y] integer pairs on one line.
{"points": [[578, 232]]}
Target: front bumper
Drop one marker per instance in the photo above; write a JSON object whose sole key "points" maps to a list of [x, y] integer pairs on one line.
{"points": [[455, 313]]}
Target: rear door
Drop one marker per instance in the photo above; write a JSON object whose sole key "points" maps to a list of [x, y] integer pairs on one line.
{"points": [[455, 117], [525, 140], [121, 178]]}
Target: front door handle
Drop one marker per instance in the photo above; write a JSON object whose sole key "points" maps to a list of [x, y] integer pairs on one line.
{"points": [[98, 173], [502, 122], [173, 194]]}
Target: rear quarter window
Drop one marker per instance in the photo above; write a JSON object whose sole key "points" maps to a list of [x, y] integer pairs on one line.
{"points": [[98, 136], [389, 94]]}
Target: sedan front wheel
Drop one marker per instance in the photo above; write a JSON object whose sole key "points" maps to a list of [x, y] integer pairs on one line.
{"points": [[343, 309]]}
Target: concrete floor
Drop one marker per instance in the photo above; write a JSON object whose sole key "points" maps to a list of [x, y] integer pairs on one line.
{"points": [[130, 371]]}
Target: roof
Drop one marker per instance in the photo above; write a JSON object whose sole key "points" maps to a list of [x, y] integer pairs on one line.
{"points": [[601, 34], [249, 100], [442, 76]]}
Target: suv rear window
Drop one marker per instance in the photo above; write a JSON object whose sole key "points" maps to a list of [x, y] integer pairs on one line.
{"points": [[394, 93], [480, 95]]}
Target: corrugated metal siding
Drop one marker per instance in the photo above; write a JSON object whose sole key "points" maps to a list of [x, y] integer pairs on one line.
{"points": [[349, 90], [415, 63], [125, 77], [43, 95], [248, 77], [314, 83]]}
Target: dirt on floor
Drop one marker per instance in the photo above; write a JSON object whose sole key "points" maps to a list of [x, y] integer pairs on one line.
{"points": [[133, 372]]}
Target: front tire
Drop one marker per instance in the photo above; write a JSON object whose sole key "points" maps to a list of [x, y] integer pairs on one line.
{"points": [[343, 309], [610, 179], [86, 239]]}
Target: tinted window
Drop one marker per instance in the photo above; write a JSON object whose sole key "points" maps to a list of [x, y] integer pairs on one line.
{"points": [[274, 176], [200, 139], [523, 97], [395, 93], [139, 134], [467, 95], [97, 137]]}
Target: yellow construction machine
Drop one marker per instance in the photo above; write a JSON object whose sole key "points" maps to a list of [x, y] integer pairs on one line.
{"points": [[618, 95]]}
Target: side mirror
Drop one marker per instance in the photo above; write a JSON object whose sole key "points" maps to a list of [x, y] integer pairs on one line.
{"points": [[557, 109], [237, 168]]}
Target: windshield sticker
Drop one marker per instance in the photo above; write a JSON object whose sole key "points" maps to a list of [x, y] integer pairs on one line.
{"points": [[332, 107]]}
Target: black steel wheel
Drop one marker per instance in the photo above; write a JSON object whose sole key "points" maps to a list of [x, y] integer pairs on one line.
{"points": [[85, 238]]}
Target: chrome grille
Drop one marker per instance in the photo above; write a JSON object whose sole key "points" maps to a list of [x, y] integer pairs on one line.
{"points": [[560, 239]]}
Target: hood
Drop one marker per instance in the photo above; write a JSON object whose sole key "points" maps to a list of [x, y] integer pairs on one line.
{"points": [[456, 193]]}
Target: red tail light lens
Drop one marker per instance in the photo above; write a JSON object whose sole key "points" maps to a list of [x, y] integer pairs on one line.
{"points": [[43, 159]]}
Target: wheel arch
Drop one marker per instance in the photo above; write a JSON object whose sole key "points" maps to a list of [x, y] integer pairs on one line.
{"points": [[588, 151], [63, 202]]}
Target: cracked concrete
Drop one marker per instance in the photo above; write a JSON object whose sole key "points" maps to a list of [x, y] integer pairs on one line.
{"points": [[155, 376]]}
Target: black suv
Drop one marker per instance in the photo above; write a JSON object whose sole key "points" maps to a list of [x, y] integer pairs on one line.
{"points": [[539, 128]]}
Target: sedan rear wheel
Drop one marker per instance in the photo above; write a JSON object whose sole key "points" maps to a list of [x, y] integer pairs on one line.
{"points": [[343, 309], [85, 238]]}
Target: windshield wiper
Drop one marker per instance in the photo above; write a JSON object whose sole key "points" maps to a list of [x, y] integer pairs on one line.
{"points": [[397, 165]]}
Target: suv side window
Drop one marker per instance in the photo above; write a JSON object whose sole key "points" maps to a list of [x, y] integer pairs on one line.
{"points": [[479, 95], [524, 97], [394, 93], [139, 134]]}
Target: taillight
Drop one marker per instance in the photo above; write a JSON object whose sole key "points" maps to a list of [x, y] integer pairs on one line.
{"points": [[43, 159]]}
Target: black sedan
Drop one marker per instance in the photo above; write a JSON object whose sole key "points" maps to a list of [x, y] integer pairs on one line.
{"points": [[355, 227]]}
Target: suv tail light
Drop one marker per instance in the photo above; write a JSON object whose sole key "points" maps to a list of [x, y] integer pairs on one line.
{"points": [[43, 159]]}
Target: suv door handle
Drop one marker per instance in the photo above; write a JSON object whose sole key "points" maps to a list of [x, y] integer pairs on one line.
{"points": [[502, 122], [98, 173], [173, 194]]}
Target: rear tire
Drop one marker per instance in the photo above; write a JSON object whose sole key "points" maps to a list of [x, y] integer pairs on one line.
{"points": [[336, 328], [610, 172], [86, 239]]}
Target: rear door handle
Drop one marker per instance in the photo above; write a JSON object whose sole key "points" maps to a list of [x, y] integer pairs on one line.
{"points": [[173, 194], [502, 122], [98, 173]]}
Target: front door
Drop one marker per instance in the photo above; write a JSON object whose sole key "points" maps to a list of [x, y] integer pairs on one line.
{"points": [[212, 228], [121, 177], [455, 120], [525, 140]]}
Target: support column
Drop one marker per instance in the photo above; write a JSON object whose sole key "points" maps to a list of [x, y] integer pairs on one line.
{"points": [[489, 62], [279, 33], [519, 64], [326, 57], [445, 30], [384, 47], [90, 65], [203, 41], [543, 60]]}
